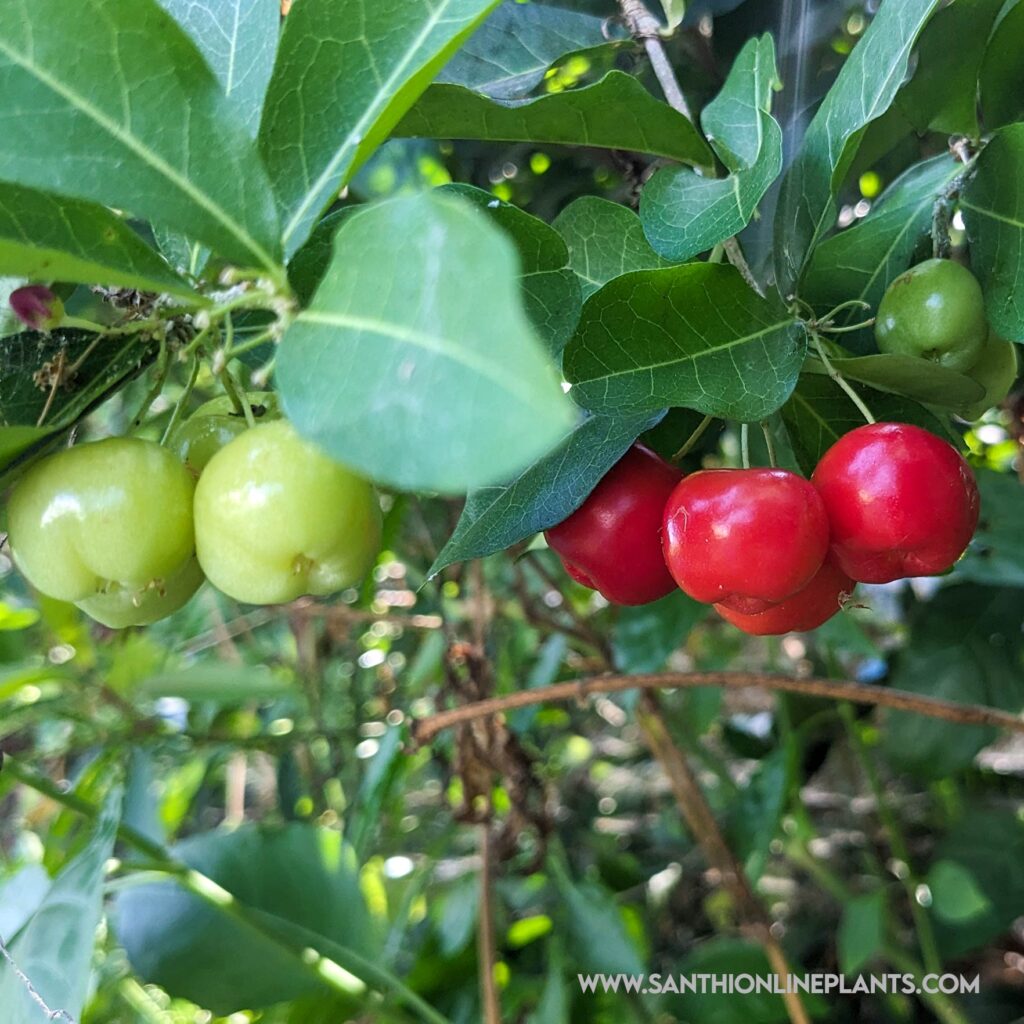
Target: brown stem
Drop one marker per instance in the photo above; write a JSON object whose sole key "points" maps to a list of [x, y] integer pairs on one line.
{"points": [[701, 821], [859, 693], [486, 954]]}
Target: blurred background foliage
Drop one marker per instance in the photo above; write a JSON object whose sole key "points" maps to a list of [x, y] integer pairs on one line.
{"points": [[270, 749]]}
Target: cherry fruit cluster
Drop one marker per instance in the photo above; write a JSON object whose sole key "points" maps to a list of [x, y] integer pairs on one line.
{"points": [[124, 529]]}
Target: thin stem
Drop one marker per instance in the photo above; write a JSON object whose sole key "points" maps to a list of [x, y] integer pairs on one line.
{"points": [[846, 328], [689, 443], [745, 444], [769, 443], [909, 880], [842, 307], [486, 954], [58, 378], [830, 689], [163, 364], [238, 398], [246, 346], [183, 401], [839, 378], [717, 253]]}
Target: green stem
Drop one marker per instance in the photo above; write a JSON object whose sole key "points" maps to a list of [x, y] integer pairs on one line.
{"points": [[922, 922], [847, 328], [183, 401], [745, 444], [329, 970], [247, 346], [693, 438], [839, 378], [769, 444], [163, 364]]}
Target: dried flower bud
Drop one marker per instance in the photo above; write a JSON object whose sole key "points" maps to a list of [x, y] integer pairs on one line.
{"points": [[36, 306]]}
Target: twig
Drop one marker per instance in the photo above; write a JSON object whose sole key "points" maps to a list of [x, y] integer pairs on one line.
{"points": [[697, 434], [644, 26], [31, 989], [486, 953], [860, 693], [702, 823]]}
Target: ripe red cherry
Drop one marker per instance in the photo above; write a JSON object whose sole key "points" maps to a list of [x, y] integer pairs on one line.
{"points": [[901, 502], [744, 538], [807, 609], [612, 542]]}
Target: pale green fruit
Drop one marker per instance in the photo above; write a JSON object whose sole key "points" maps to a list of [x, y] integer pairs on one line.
{"points": [[277, 518], [113, 515], [118, 608], [996, 372]]}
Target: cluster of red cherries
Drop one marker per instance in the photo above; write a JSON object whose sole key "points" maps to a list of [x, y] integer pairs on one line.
{"points": [[773, 552]]}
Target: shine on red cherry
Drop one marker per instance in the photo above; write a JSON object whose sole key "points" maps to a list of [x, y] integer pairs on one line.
{"points": [[612, 542], [807, 609], [744, 538], [900, 501]]}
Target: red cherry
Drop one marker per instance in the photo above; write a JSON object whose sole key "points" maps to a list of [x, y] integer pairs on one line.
{"points": [[612, 542], [900, 501], [744, 538], [807, 609]]}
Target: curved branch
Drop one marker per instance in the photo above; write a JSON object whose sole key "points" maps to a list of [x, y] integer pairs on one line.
{"points": [[423, 729]]}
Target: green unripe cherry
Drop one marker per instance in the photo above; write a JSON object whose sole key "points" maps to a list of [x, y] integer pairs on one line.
{"points": [[996, 372], [934, 310], [107, 526], [277, 518], [215, 424]]}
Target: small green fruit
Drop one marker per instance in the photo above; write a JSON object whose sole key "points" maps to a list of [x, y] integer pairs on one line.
{"points": [[215, 424], [277, 518], [934, 310], [996, 372]]}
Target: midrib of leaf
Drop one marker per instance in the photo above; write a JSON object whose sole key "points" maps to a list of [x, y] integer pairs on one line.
{"points": [[355, 136], [229, 84], [992, 214], [427, 342], [149, 157], [695, 356]]}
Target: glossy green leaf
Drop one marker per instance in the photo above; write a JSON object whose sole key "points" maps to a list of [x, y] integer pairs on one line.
{"points": [[910, 376], [964, 645], [693, 335], [551, 290], [861, 932], [238, 38], [819, 413], [986, 847], [684, 213], [308, 266], [545, 493], [55, 948], [364, 368], [996, 555], [222, 684], [860, 262], [511, 52], [20, 896], [44, 238], [142, 127], [644, 636], [1002, 72], [301, 875], [605, 240], [943, 94], [993, 209], [615, 113], [863, 91], [319, 122]]}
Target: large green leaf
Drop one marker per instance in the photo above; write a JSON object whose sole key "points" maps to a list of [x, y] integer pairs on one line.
{"points": [[345, 74], [397, 342], [993, 208], [238, 38], [510, 53], [544, 493], [996, 554], [863, 91], [684, 213], [605, 240], [859, 263], [951, 654], [109, 100], [694, 335], [44, 238], [909, 376], [943, 94], [301, 875], [1002, 72], [551, 290], [819, 413], [616, 112], [54, 950]]}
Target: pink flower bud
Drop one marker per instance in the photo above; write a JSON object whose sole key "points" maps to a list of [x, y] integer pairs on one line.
{"points": [[36, 306]]}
